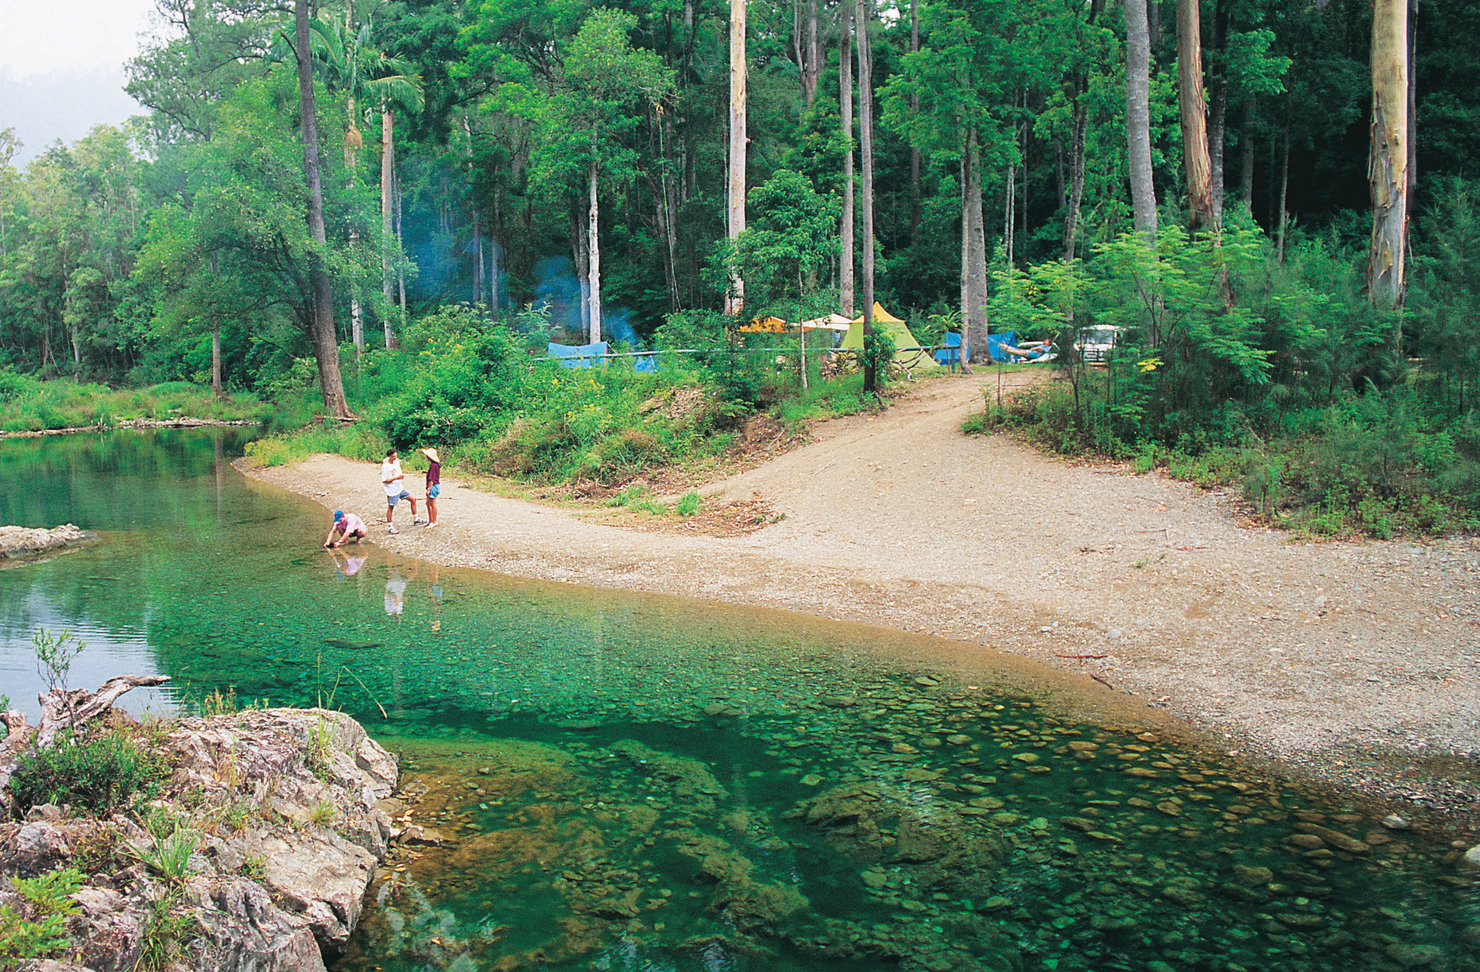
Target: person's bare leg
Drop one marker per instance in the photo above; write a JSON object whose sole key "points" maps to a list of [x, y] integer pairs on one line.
{"points": [[431, 512], [388, 511]]}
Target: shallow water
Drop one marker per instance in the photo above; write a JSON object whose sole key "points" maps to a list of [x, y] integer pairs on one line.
{"points": [[636, 782]]}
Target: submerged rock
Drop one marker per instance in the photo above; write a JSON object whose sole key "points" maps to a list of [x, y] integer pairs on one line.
{"points": [[26, 544], [689, 781]]}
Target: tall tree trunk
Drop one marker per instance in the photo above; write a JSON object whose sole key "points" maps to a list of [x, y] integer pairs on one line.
{"points": [[973, 229], [1412, 102], [594, 243], [581, 245], [914, 111], [353, 141], [1076, 178], [477, 258], [810, 55], [735, 222], [1284, 217], [1194, 114], [325, 342], [966, 342], [667, 203], [400, 270], [387, 206], [1138, 118], [1246, 173], [845, 111], [216, 388], [1009, 211], [866, 146], [1387, 169], [1218, 111]]}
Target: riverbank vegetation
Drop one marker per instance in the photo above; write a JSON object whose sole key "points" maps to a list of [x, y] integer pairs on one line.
{"points": [[35, 404], [389, 212]]}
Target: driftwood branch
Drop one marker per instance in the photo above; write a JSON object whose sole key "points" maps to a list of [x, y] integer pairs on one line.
{"points": [[61, 710]]}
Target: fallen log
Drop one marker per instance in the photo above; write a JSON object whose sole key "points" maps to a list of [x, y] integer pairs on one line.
{"points": [[68, 710]]}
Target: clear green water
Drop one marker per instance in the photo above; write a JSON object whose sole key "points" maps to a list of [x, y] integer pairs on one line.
{"points": [[635, 783]]}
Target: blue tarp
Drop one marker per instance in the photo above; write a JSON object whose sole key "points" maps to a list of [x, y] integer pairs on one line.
{"points": [[951, 353], [995, 342], [581, 355], [586, 356]]}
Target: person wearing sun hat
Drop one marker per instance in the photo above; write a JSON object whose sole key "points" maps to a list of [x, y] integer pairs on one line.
{"points": [[434, 483]]}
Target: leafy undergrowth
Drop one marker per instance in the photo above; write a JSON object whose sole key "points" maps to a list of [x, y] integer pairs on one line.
{"points": [[1366, 467], [34, 405]]}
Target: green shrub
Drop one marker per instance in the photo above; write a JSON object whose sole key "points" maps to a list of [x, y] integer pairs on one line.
{"points": [[1264, 485], [98, 774], [169, 847], [166, 933], [689, 504], [38, 930], [628, 495]]}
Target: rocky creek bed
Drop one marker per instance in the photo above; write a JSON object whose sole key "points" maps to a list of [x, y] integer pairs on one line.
{"points": [[916, 823]]}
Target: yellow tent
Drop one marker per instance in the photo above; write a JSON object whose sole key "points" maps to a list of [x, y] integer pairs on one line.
{"points": [[886, 323], [771, 325]]}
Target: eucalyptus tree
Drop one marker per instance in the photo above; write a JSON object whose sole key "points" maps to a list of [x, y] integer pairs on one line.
{"points": [[325, 342], [206, 48], [1192, 103], [738, 147], [1138, 118], [845, 116], [591, 119], [962, 78], [1388, 165], [70, 222], [366, 73], [231, 249], [1073, 64], [863, 18]]}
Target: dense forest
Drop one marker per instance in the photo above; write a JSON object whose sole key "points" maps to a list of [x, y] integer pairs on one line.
{"points": [[317, 182]]}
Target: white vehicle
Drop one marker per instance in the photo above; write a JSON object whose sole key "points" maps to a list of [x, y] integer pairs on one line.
{"points": [[1093, 344]]}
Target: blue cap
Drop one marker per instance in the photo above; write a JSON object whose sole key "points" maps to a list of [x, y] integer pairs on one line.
{"points": [[338, 515]]}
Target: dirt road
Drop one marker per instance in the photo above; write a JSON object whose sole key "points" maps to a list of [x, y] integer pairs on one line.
{"points": [[1359, 661]]}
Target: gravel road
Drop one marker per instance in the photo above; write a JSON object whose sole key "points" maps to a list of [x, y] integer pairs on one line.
{"points": [[1357, 663]]}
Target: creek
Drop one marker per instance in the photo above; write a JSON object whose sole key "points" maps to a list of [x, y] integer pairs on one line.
{"points": [[632, 782]]}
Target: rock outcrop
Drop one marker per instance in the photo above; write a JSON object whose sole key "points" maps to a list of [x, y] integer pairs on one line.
{"points": [[24, 543], [280, 812]]}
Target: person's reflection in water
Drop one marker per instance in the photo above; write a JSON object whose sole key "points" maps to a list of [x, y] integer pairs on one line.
{"points": [[434, 591], [395, 595], [347, 564]]}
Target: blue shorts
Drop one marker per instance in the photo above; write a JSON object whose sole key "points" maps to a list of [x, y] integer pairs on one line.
{"points": [[434, 490], [393, 500]]}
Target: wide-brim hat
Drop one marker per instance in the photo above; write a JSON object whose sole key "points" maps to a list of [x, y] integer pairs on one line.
{"points": [[430, 453]]}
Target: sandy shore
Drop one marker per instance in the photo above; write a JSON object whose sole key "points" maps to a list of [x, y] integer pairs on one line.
{"points": [[1357, 662]]}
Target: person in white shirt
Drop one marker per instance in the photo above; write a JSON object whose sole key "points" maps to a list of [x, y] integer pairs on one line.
{"points": [[395, 490]]}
